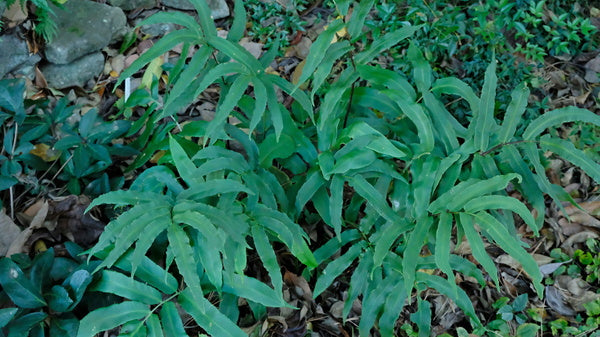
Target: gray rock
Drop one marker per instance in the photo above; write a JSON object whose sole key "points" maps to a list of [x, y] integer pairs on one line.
{"points": [[2, 7], [85, 27], [14, 53], [158, 29], [76, 73], [218, 8], [128, 5], [27, 68]]}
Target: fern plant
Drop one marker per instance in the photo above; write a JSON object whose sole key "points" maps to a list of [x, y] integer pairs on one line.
{"points": [[439, 177], [45, 26], [381, 160]]}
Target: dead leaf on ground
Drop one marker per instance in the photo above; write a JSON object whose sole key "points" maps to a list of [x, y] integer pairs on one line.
{"points": [[585, 216], [299, 285], [15, 14], [39, 210], [10, 231]]}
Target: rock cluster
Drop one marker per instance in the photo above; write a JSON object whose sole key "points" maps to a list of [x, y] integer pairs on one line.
{"points": [[84, 28]]}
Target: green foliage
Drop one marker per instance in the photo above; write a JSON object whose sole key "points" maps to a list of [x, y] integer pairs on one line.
{"points": [[40, 295], [42, 141], [272, 22], [382, 162], [45, 25]]}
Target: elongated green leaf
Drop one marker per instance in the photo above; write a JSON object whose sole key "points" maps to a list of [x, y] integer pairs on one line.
{"points": [[422, 71], [178, 18], [132, 232], [557, 117], [334, 244], [116, 283], [160, 47], [336, 268], [386, 42], [533, 154], [146, 240], [227, 105], [355, 159], [126, 198], [422, 183], [194, 68], [442, 119], [238, 26], [569, 152], [443, 238], [299, 95], [205, 18], [252, 289], [111, 317], [260, 104], [483, 121], [357, 20], [336, 201], [512, 246], [477, 247], [184, 258], [18, 287], [318, 50], [374, 300], [359, 281], [461, 298], [391, 309], [275, 110], [333, 55], [502, 202], [213, 187], [513, 114], [454, 86], [417, 115], [185, 167], [379, 143], [377, 201], [289, 232], [529, 188], [154, 326], [268, 258], [383, 240], [461, 194], [209, 248], [236, 52], [387, 78], [171, 320], [149, 272], [209, 317], [413, 250], [221, 70]]}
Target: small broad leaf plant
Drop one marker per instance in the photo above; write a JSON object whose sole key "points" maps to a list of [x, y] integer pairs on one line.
{"points": [[381, 162]]}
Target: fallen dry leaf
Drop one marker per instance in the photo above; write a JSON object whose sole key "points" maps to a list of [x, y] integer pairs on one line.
{"points": [[10, 231]]}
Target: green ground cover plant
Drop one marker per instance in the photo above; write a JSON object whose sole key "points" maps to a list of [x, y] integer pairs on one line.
{"points": [[42, 144], [392, 175], [44, 23], [376, 155]]}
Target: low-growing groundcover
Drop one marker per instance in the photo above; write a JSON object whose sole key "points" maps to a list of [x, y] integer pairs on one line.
{"points": [[372, 158]]}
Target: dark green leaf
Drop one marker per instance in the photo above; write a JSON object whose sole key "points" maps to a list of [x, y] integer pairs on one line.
{"points": [[111, 317], [118, 284], [209, 317], [171, 320], [18, 287], [336, 268]]}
